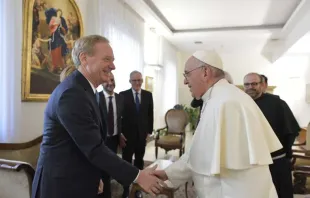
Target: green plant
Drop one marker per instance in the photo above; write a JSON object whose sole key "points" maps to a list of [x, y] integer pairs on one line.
{"points": [[193, 114]]}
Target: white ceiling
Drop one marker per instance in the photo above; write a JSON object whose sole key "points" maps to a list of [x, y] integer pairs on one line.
{"points": [[224, 25], [198, 14], [301, 46]]}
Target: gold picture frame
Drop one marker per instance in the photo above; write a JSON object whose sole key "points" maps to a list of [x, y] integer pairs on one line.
{"points": [[270, 89], [50, 28], [149, 83]]}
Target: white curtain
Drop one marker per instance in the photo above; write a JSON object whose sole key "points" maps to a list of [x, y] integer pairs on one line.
{"points": [[125, 30], [158, 51], [10, 73]]}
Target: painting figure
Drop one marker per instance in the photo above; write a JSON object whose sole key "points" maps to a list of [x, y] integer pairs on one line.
{"points": [[39, 59], [57, 45], [50, 31]]}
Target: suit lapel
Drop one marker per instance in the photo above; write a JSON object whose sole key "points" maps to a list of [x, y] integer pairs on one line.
{"points": [[102, 107], [132, 98], [104, 104], [142, 99]]}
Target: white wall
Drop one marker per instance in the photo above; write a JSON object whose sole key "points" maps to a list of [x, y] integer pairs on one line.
{"points": [[165, 77], [289, 74]]}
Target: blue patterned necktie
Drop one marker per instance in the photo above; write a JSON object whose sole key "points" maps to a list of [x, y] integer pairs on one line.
{"points": [[137, 102]]}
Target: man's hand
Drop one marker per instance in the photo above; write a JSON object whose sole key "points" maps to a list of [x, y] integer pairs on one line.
{"points": [[149, 183], [100, 188], [122, 141], [161, 174]]}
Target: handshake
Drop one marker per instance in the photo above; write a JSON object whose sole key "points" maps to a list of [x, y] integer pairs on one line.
{"points": [[152, 180]]}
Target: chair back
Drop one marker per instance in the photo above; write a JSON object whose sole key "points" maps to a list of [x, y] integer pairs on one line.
{"points": [[176, 120], [15, 179]]}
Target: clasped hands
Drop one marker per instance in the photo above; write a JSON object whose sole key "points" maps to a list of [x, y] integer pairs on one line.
{"points": [[152, 180]]}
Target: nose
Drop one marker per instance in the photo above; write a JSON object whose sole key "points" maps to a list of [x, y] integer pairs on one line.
{"points": [[112, 66], [185, 81]]}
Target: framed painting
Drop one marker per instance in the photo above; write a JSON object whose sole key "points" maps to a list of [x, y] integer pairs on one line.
{"points": [[50, 28], [149, 83]]}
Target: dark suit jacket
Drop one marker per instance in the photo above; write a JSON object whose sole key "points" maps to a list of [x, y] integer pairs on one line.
{"points": [[135, 123], [73, 155], [119, 109]]}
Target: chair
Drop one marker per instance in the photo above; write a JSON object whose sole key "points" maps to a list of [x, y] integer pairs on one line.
{"points": [[15, 179], [301, 171], [174, 137]]}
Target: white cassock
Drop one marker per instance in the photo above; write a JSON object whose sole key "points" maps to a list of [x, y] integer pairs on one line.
{"points": [[230, 152]]}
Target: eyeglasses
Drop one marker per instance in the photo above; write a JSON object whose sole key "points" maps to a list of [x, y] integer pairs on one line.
{"points": [[185, 74], [136, 81], [253, 84]]}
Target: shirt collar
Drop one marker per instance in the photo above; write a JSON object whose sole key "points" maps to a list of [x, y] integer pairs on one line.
{"points": [[92, 86], [134, 92], [106, 95]]}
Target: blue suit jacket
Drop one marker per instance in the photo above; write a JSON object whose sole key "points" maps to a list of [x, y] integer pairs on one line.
{"points": [[73, 156]]}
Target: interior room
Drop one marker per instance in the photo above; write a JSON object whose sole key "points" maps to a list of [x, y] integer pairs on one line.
{"points": [[154, 38]]}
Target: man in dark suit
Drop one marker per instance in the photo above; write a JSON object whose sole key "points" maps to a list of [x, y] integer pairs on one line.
{"points": [[113, 106], [73, 155], [137, 122]]}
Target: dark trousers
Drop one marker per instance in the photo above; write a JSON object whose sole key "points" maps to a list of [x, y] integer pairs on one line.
{"points": [[281, 172], [112, 144], [134, 148]]}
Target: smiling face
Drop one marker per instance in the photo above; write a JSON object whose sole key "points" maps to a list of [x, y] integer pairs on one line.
{"points": [[253, 85], [110, 85], [99, 64]]}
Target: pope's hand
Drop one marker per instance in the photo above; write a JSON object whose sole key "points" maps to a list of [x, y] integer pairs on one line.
{"points": [[149, 182]]}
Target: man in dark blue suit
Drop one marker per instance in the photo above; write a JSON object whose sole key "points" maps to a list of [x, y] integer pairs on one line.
{"points": [[73, 156], [137, 122]]}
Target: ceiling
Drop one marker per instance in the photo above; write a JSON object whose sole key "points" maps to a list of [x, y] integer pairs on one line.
{"points": [[224, 25], [185, 15]]}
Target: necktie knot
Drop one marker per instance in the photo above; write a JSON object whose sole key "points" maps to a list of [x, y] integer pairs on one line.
{"points": [[110, 97], [97, 97]]}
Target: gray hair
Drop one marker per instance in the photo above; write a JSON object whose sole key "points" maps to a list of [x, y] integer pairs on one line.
{"points": [[134, 72], [85, 45]]}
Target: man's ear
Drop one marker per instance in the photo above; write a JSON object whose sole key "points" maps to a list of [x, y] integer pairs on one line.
{"points": [[83, 58], [206, 71]]}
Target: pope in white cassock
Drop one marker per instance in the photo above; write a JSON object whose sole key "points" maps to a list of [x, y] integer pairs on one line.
{"points": [[230, 151]]}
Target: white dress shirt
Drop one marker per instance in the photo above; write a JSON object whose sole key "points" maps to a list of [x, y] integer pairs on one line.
{"points": [[107, 99], [134, 95]]}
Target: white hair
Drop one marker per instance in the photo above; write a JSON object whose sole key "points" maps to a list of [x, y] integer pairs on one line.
{"points": [[228, 77]]}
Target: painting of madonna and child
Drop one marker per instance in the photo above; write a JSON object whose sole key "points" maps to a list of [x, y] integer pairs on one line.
{"points": [[56, 24]]}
